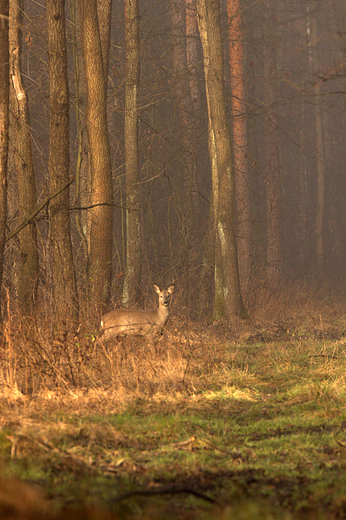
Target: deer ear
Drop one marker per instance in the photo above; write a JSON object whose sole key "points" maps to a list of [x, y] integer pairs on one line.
{"points": [[156, 288], [171, 288]]}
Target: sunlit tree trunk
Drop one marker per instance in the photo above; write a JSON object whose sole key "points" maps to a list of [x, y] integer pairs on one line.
{"points": [[211, 261], [101, 198], [4, 122], [104, 14], [272, 161], [65, 302], [22, 149], [241, 167], [132, 281], [229, 301]]}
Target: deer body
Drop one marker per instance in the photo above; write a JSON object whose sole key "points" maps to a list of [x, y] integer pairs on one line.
{"points": [[138, 322]]}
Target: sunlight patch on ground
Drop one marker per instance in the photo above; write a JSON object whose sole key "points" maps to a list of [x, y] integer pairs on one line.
{"points": [[232, 392]]}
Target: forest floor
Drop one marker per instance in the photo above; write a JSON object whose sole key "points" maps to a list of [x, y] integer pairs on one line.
{"points": [[246, 421]]}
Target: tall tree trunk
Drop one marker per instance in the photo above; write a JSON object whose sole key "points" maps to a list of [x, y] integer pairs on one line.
{"points": [[83, 169], [231, 302], [302, 230], [312, 34], [185, 110], [64, 284], [192, 54], [206, 274], [241, 166], [273, 180], [211, 261], [132, 281], [101, 214], [81, 196], [21, 132], [104, 14], [4, 122]]}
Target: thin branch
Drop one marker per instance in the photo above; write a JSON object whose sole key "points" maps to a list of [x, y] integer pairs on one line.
{"points": [[30, 219], [81, 208]]}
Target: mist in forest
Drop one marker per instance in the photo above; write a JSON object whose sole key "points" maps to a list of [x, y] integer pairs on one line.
{"points": [[168, 202]]}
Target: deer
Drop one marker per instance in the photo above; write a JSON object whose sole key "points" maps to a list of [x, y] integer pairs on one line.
{"points": [[132, 322]]}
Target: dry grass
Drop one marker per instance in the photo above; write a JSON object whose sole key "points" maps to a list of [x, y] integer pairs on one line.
{"points": [[35, 361]]}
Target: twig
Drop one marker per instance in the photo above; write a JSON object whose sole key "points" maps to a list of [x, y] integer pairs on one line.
{"points": [[323, 355], [112, 204], [184, 443]]}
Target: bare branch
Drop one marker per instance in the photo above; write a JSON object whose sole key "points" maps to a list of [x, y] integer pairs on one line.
{"points": [[30, 219]]}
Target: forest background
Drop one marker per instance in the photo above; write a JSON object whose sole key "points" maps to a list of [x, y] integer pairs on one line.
{"points": [[195, 142], [200, 142]]}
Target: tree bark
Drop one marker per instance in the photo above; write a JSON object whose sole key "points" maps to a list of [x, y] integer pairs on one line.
{"points": [[101, 214], [22, 149], [240, 152], [104, 14], [132, 281], [4, 122], [181, 88], [64, 284], [273, 180], [192, 54], [229, 302], [81, 195], [211, 255], [312, 34]]}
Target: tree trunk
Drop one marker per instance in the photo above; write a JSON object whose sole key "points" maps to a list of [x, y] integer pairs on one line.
{"points": [[64, 284], [192, 54], [4, 122], [101, 214], [211, 254], [22, 149], [81, 195], [185, 109], [132, 281], [207, 271], [229, 302], [273, 180], [313, 38], [104, 13], [241, 167]]}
